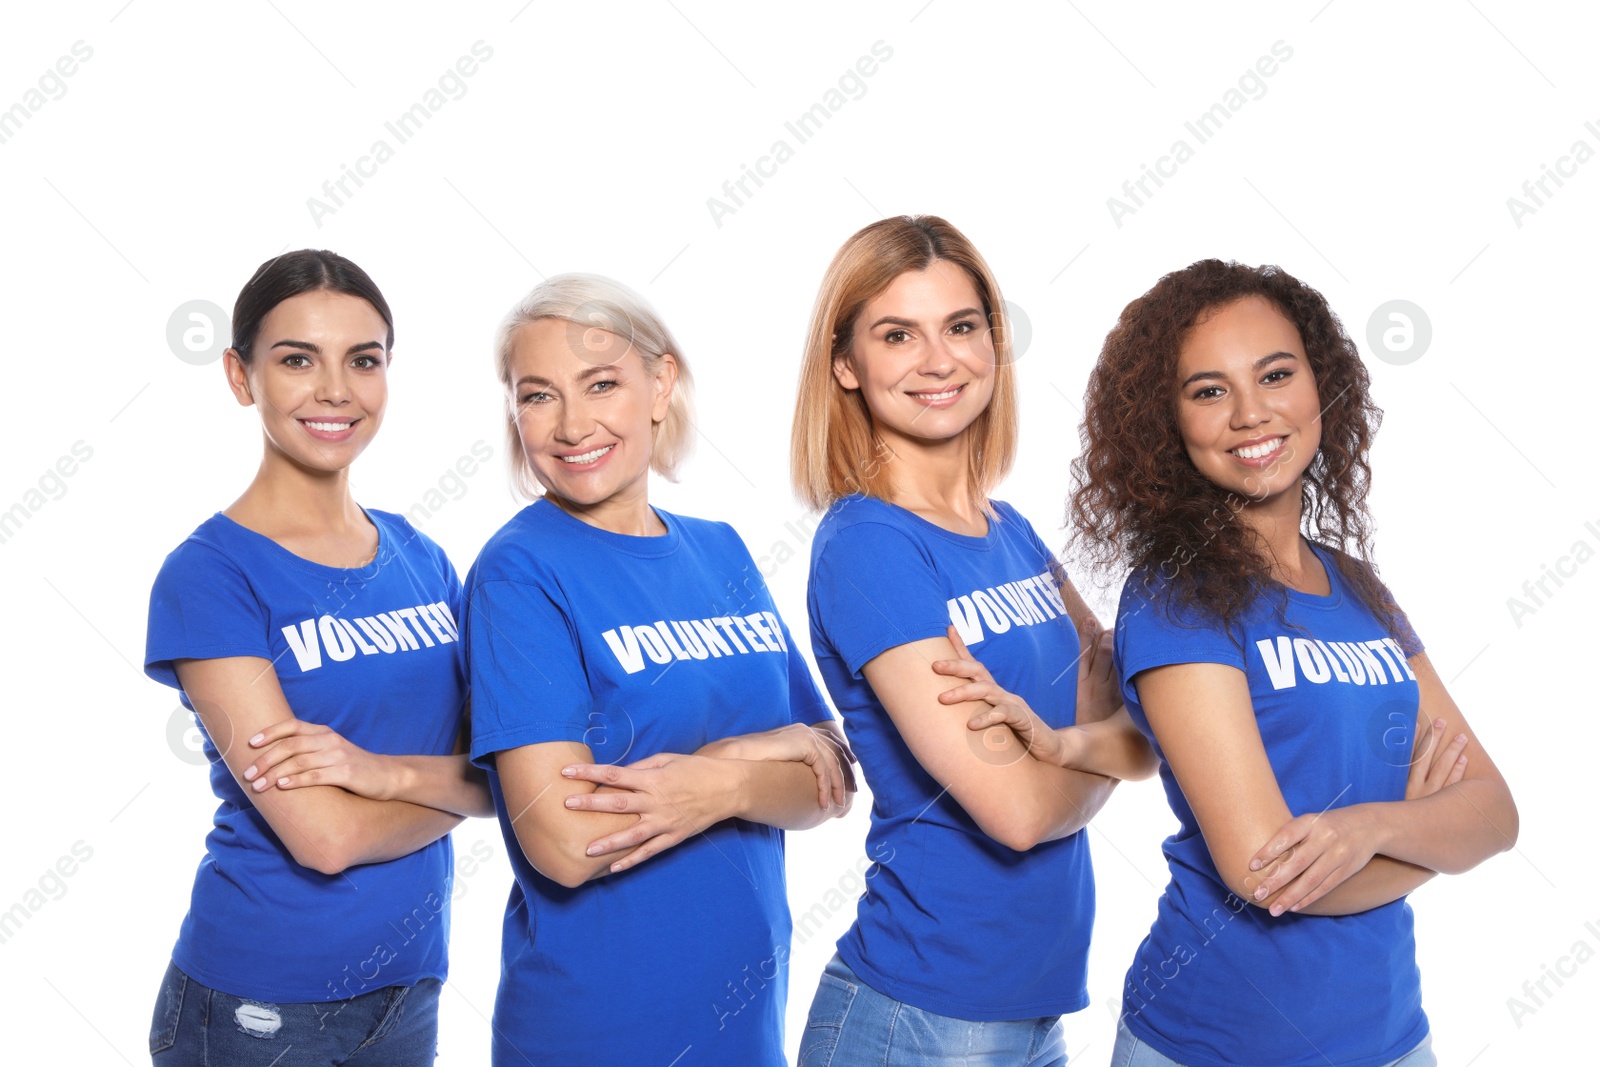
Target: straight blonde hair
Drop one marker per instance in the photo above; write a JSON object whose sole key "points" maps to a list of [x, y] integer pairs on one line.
{"points": [[594, 301], [835, 450]]}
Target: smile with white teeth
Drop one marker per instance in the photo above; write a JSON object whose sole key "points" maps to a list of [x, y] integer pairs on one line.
{"points": [[1266, 448], [327, 427], [946, 395], [588, 457]]}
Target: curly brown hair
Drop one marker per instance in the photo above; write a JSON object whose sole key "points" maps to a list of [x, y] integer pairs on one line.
{"points": [[1141, 503]]}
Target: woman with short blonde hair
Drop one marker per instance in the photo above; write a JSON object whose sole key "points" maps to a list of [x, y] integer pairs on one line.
{"points": [[974, 936]]}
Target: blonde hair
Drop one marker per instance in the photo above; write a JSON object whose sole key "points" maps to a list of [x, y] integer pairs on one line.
{"points": [[594, 301], [834, 450]]}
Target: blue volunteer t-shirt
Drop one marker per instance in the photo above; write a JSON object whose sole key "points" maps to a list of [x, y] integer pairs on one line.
{"points": [[636, 646], [1220, 982], [371, 652], [952, 921]]}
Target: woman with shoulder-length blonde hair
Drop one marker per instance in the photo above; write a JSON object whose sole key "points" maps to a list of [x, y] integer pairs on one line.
{"points": [[635, 697], [974, 936]]}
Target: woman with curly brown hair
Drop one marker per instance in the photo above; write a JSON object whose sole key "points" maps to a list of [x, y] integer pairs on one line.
{"points": [[1225, 462]]}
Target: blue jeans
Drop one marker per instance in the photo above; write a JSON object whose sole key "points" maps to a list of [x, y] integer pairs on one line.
{"points": [[853, 1025], [195, 1026], [1129, 1051]]}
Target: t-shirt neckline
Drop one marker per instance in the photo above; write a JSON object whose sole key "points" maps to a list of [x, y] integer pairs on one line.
{"points": [[1335, 596], [645, 546], [985, 541], [363, 572]]}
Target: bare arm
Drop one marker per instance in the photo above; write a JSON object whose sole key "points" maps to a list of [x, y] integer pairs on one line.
{"points": [[1203, 717], [1449, 830], [1016, 800], [324, 827], [294, 753]]}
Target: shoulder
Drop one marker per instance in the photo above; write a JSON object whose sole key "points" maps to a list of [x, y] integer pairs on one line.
{"points": [[1150, 600], [213, 551], [860, 520], [1014, 523], [407, 538], [521, 550]]}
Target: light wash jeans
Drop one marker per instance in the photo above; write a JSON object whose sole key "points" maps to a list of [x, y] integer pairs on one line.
{"points": [[1131, 1052], [853, 1025], [196, 1026]]}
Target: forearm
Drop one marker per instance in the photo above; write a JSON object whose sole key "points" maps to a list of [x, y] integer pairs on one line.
{"points": [[1062, 801], [1451, 831], [778, 793], [374, 831], [1380, 882], [449, 783], [1113, 748]]}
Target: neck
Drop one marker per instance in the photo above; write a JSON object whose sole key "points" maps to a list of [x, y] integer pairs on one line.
{"points": [[296, 498], [627, 512], [1276, 524], [933, 478]]}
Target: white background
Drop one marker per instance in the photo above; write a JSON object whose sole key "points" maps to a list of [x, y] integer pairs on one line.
{"points": [[1376, 166]]}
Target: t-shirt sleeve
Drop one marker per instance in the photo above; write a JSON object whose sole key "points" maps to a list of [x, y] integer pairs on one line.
{"points": [[806, 705], [1153, 632], [202, 607], [872, 589], [527, 677]]}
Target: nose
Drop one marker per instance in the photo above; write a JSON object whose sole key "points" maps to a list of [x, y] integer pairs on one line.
{"points": [[1250, 409], [938, 357], [573, 423], [331, 385]]}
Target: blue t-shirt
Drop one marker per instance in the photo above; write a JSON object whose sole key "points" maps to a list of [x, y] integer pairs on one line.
{"points": [[1219, 982], [952, 922], [636, 646], [371, 652]]}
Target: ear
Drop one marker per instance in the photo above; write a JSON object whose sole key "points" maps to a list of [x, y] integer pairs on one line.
{"points": [[666, 381], [238, 377], [844, 373]]}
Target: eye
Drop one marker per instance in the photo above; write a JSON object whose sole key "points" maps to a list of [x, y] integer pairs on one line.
{"points": [[366, 362], [533, 398], [896, 337], [963, 327], [1207, 392], [604, 385], [1276, 375], [295, 359]]}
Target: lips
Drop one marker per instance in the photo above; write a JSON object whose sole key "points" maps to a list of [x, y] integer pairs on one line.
{"points": [[329, 429], [594, 455], [937, 397], [1257, 450]]}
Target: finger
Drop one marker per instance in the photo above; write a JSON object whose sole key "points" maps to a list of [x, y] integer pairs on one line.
{"points": [[991, 716], [313, 768], [611, 802], [623, 840], [1104, 660], [960, 668], [1427, 738], [960, 645], [275, 755], [1289, 834], [284, 728], [653, 847], [1457, 772], [660, 759], [602, 774], [1445, 764], [979, 692], [1318, 879]]}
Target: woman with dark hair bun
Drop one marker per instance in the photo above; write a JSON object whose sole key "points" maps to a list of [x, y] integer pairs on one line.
{"points": [[316, 642], [1318, 769]]}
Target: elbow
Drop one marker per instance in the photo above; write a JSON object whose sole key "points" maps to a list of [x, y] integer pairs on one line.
{"points": [[566, 866], [329, 853], [1017, 830]]}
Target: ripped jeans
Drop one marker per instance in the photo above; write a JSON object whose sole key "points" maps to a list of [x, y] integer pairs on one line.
{"points": [[195, 1026]]}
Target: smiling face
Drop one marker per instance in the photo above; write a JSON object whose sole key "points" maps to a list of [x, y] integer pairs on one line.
{"points": [[1248, 409], [318, 374], [585, 408], [923, 357]]}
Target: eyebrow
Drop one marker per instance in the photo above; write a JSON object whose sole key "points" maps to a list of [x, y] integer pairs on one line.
{"points": [[1211, 375], [892, 320], [534, 379], [317, 349]]}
